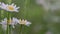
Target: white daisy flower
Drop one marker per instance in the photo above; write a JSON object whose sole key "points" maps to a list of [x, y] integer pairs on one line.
{"points": [[11, 22], [14, 22], [11, 8], [24, 22], [4, 24]]}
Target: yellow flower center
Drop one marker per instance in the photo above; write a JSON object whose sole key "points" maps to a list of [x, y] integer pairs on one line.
{"points": [[9, 21], [22, 22], [10, 7]]}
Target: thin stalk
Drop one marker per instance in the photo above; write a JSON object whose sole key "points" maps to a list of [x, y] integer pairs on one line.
{"points": [[25, 9], [8, 17], [21, 29], [1, 17], [7, 32], [2, 14]]}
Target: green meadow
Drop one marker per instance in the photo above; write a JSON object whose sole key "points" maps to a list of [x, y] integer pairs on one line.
{"points": [[34, 13]]}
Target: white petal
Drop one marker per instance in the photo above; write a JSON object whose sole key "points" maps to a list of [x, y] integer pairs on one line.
{"points": [[17, 7], [3, 22], [0, 2], [16, 11], [28, 23], [15, 19], [12, 4], [4, 27], [5, 18], [3, 4]]}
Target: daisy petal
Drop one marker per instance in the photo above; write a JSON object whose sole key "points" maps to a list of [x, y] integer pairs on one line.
{"points": [[17, 7], [12, 4]]}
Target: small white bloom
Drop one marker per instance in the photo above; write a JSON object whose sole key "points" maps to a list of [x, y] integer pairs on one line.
{"points": [[24, 22], [11, 8], [11, 22], [14, 21], [4, 24]]}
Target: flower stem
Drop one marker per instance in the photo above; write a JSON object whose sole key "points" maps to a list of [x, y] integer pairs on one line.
{"points": [[21, 29], [8, 17], [1, 14], [7, 29]]}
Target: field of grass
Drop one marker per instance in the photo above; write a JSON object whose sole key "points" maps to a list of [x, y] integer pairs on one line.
{"points": [[34, 13]]}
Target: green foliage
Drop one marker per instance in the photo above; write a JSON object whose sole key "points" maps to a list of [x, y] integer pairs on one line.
{"points": [[31, 11]]}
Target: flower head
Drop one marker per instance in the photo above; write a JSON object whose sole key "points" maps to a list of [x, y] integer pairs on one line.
{"points": [[11, 22], [11, 8], [24, 22]]}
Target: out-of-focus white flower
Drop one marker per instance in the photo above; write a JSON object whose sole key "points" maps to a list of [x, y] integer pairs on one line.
{"points": [[11, 22], [14, 22], [11, 8], [0, 4], [48, 32], [24, 22], [49, 4], [44, 3], [4, 24]]}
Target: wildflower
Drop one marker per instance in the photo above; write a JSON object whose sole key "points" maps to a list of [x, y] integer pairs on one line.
{"points": [[24, 22], [11, 8], [11, 22]]}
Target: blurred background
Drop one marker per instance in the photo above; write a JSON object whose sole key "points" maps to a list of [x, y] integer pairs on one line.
{"points": [[43, 14]]}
